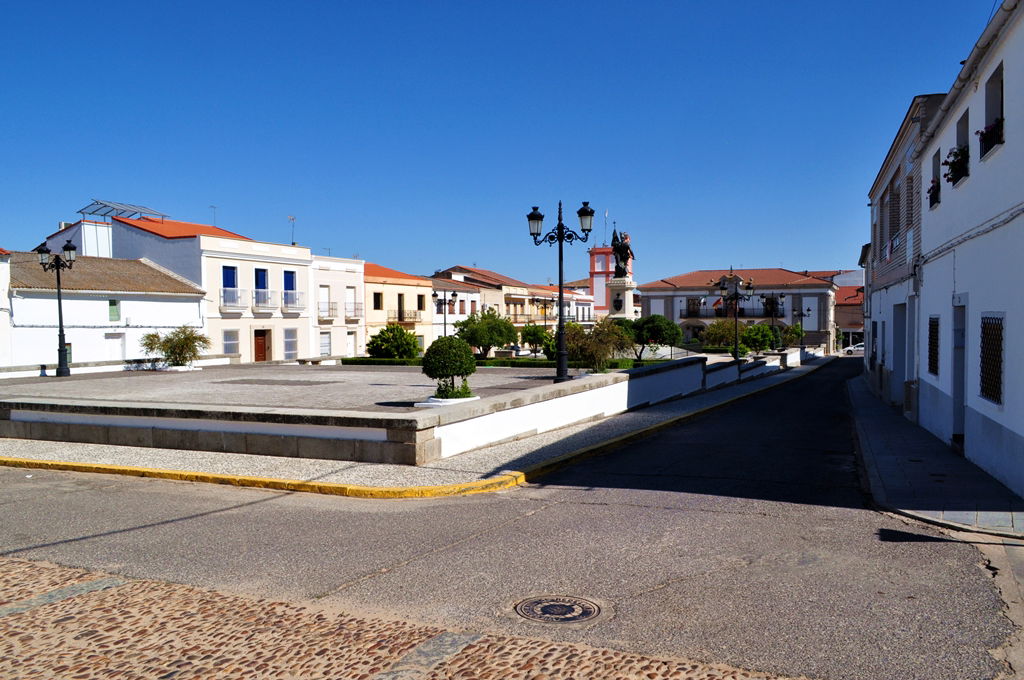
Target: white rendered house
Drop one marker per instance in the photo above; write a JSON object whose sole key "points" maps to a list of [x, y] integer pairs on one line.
{"points": [[108, 306], [943, 312], [338, 295]]}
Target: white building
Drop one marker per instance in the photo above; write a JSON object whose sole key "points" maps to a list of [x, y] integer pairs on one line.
{"points": [[258, 301], [942, 306], [453, 301], [338, 288], [108, 306]]}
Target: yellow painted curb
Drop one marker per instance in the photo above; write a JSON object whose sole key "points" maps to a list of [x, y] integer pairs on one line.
{"points": [[506, 480]]}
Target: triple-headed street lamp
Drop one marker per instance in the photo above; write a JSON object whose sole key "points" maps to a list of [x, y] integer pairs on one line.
{"points": [[772, 304], [56, 262], [446, 299], [561, 234], [545, 305], [731, 288]]}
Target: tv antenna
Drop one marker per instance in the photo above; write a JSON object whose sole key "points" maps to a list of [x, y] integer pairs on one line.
{"points": [[214, 209], [291, 218]]}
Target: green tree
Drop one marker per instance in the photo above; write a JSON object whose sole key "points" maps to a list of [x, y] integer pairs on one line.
{"points": [[792, 335], [535, 336], [721, 333], [180, 347], [651, 332], [603, 341], [393, 342], [757, 338], [446, 359], [485, 330]]}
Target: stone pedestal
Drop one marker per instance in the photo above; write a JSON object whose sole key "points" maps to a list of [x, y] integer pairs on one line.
{"points": [[620, 298]]}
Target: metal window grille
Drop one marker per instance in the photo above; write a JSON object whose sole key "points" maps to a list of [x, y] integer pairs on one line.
{"points": [[230, 342], [992, 358], [933, 345]]}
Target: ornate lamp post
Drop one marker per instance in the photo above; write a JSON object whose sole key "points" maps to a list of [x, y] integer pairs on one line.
{"points": [[446, 300], [56, 262], [545, 305], [800, 314], [732, 289], [561, 234]]}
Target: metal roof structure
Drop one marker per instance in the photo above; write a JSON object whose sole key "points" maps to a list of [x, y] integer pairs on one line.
{"points": [[112, 209]]}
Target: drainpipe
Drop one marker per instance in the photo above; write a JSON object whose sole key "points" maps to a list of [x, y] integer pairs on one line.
{"points": [[967, 72]]}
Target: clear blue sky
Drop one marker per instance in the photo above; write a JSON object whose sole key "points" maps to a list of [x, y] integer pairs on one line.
{"points": [[418, 134]]}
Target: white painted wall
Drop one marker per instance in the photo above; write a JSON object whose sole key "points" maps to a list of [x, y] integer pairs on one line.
{"points": [[5, 311]]}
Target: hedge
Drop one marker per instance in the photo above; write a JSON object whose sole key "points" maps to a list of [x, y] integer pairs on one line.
{"points": [[613, 364]]}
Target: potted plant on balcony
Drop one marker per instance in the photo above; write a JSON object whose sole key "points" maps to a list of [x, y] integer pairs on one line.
{"points": [[934, 191], [991, 136], [958, 161], [446, 359]]}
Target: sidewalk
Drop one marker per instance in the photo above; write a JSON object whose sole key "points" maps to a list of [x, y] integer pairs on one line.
{"points": [[913, 473], [488, 469]]}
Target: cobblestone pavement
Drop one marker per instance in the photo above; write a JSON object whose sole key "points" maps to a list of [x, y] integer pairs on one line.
{"points": [[58, 622]]}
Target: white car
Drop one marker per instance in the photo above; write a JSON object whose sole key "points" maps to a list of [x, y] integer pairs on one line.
{"points": [[855, 349]]}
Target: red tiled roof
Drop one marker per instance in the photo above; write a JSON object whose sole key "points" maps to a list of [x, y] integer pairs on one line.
{"points": [[578, 283], [497, 278], [554, 289], [763, 278], [850, 295], [176, 229], [381, 274], [4, 252]]}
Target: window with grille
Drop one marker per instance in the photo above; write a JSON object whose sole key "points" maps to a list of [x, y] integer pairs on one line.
{"points": [[291, 343], [933, 345], [230, 341], [113, 310], [992, 358]]}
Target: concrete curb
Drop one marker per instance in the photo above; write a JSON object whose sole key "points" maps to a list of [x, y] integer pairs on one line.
{"points": [[881, 499], [507, 479]]}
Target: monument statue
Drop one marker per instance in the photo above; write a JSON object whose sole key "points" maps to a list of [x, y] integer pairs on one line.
{"points": [[623, 254]]}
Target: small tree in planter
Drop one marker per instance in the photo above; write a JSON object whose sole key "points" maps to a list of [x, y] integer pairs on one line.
{"points": [[393, 342], [180, 347], [446, 359]]}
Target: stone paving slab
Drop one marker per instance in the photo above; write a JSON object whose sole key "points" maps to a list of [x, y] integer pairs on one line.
{"points": [[151, 629], [912, 472]]}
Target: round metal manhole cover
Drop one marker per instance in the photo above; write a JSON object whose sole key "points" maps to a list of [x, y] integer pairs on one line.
{"points": [[557, 609]]}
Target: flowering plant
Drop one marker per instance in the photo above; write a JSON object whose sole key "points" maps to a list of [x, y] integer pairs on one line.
{"points": [[933, 192], [958, 161], [991, 135]]}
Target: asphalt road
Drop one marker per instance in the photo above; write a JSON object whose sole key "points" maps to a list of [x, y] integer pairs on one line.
{"points": [[740, 537]]}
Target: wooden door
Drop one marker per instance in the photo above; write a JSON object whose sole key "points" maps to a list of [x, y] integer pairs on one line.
{"points": [[259, 345]]}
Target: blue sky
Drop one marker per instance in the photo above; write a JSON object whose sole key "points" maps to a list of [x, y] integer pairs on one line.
{"points": [[418, 134]]}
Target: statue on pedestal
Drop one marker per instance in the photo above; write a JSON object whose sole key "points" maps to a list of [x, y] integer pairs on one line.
{"points": [[623, 254]]}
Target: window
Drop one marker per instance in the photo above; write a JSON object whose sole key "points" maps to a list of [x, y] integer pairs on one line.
{"points": [[325, 343], [378, 300], [421, 302], [935, 188], [291, 343], [229, 285], [992, 358], [261, 279], [420, 342], [113, 310], [230, 342], [289, 280], [933, 345], [462, 306], [958, 160], [991, 135], [262, 294], [472, 306]]}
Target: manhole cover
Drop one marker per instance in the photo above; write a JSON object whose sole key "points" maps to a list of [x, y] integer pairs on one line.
{"points": [[557, 609]]}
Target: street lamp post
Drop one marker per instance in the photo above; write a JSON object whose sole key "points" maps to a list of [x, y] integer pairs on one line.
{"points": [[773, 305], [799, 314], [561, 234], [56, 262], [545, 305], [445, 299], [732, 289]]}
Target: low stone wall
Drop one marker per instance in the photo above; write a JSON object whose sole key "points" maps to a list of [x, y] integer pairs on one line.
{"points": [[113, 365], [416, 438]]}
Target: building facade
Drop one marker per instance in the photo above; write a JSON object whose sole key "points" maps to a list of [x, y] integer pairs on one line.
{"points": [[340, 298], [396, 297], [941, 311]]}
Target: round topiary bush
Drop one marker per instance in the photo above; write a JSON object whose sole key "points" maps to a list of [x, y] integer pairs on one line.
{"points": [[448, 358]]}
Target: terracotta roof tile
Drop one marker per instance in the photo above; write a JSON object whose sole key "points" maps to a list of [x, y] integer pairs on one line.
{"points": [[499, 279], [381, 274], [98, 273], [4, 252], [850, 295], [176, 229], [763, 278]]}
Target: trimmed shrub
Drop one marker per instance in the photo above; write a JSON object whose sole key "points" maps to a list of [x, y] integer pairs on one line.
{"points": [[180, 347], [393, 342], [445, 360]]}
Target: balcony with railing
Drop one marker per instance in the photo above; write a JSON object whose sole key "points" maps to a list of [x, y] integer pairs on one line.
{"points": [[264, 300], [234, 300], [724, 312], [404, 315], [353, 310], [293, 301], [327, 310]]}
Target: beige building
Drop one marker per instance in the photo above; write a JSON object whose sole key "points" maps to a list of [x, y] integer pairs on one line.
{"points": [[392, 296]]}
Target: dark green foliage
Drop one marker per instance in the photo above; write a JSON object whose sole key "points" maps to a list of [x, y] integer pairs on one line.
{"points": [[445, 360], [485, 330], [393, 342], [534, 336], [757, 338], [180, 347], [605, 340], [381, 361], [654, 331], [792, 335], [719, 333]]}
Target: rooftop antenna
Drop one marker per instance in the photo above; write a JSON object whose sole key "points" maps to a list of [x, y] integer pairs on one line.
{"points": [[214, 209], [291, 218], [328, 251], [604, 239]]}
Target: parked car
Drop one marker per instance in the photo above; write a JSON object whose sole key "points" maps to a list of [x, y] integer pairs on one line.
{"points": [[855, 349]]}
